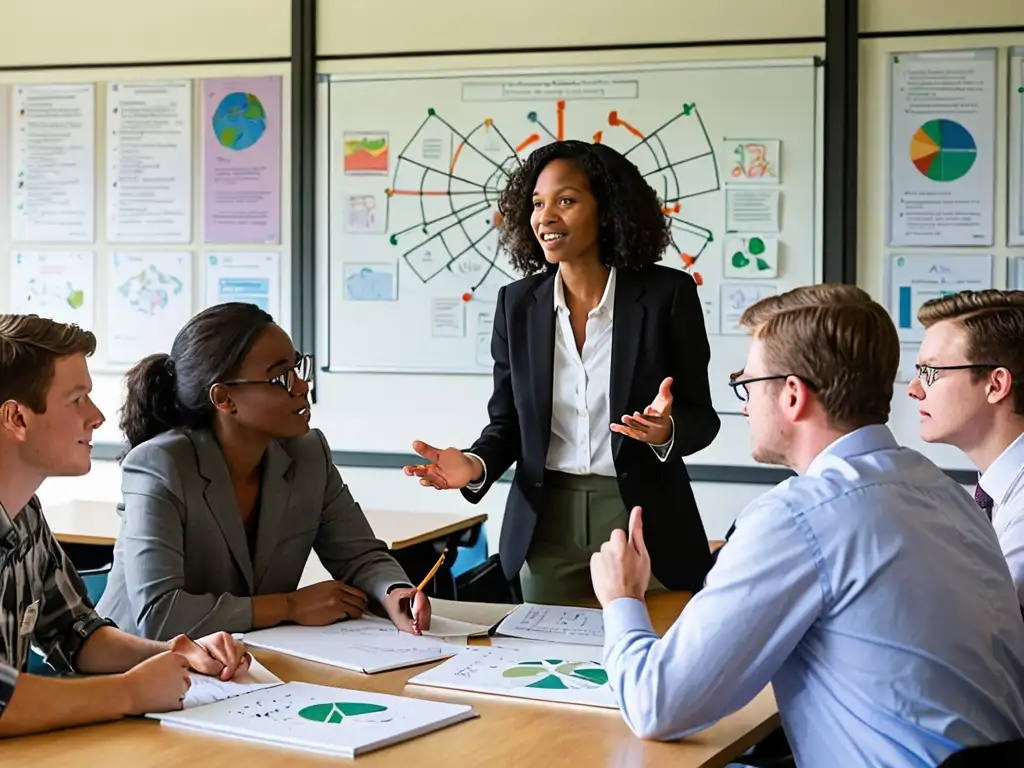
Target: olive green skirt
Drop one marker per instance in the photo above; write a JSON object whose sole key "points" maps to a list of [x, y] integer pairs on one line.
{"points": [[576, 515]]}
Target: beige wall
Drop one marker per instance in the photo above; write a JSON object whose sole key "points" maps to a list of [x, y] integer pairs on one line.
{"points": [[904, 15], [64, 32]]}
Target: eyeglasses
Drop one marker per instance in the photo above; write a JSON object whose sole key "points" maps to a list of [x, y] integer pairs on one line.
{"points": [[302, 371], [739, 386], [928, 373]]}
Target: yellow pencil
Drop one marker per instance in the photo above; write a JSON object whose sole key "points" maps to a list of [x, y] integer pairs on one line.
{"points": [[429, 576]]}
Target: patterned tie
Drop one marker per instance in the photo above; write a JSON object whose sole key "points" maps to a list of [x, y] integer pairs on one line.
{"points": [[984, 500]]}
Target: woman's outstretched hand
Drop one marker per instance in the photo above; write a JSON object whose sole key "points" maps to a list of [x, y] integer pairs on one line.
{"points": [[654, 425], [446, 469]]}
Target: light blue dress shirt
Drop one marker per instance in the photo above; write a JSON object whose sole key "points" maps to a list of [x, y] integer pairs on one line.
{"points": [[870, 592]]}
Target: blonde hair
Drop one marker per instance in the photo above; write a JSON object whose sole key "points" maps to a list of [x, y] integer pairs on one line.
{"points": [[29, 347], [993, 323], [836, 339]]}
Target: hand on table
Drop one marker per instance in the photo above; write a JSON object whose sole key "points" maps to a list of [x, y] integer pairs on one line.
{"points": [[217, 655], [325, 603]]}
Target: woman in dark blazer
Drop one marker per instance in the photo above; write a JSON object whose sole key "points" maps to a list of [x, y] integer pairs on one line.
{"points": [[600, 380]]}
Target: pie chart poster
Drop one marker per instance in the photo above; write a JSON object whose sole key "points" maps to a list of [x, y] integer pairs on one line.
{"points": [[942, 140]]}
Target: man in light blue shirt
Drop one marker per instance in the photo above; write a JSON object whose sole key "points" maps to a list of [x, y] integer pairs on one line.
{"points": [[868, 590]]}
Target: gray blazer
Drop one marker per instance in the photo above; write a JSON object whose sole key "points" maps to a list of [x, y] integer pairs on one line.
{"points": [[181, 562]]}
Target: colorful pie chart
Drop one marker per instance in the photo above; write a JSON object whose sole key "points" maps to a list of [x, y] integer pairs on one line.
{"points": [[943, 150]]}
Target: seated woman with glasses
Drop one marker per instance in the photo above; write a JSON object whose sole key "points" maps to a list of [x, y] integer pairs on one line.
{"points": [[227, 491]]}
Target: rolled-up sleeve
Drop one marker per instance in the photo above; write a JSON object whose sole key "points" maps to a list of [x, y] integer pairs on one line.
{"points": [[67, 617]]}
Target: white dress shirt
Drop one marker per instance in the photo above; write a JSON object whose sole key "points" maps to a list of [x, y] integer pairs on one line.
{"points": [[868, 592], [581, 436], [1004, 482]]}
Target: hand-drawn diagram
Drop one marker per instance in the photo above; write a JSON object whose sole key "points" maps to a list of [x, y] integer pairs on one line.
{"points": [[442, 202], [556, 674]]}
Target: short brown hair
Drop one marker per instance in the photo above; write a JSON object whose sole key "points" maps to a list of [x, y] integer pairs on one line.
{"points": [[993, 323], [29, 347], [837, 340]]}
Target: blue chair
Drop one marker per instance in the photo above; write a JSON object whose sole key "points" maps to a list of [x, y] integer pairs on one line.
{"points": [[470, 555]]}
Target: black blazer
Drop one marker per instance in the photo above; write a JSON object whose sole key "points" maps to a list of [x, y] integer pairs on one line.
{"points": [[658, 331]]}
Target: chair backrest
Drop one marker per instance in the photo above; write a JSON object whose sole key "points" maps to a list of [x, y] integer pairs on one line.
{"points": [[1004, 753]]}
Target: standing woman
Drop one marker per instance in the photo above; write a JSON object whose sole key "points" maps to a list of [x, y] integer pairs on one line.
{"points": [[600, 380], [227, 491]]}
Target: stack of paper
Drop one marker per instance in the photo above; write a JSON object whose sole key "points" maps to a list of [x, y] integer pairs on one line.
{"points": [[555, 623], [320, 718], [363, 645]]}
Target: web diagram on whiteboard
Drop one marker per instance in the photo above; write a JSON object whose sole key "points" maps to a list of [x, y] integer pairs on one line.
{"points": [[441, 203]]}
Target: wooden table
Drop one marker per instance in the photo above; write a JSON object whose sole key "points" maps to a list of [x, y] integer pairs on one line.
{"points": [[98, 523], [507, 732]]}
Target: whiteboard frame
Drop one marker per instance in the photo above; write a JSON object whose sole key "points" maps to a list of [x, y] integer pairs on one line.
{"points": [[326, 160], [1015, 149]]}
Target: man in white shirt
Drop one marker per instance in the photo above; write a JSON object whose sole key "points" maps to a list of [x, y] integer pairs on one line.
{"points": [[970, 393], [868, 590]]}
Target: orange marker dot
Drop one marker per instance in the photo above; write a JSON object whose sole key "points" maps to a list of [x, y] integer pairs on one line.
{"points": [[467, 296], [687, 259], [698, 279], [389, 192]]}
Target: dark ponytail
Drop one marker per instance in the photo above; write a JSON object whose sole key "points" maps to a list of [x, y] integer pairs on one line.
{"points": [[166, 392]]}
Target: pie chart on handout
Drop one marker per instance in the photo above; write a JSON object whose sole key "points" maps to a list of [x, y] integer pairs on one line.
{"points": [[943, 150]]}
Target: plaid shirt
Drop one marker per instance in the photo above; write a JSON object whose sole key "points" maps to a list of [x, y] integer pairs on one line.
{"points": [[43, 600]]}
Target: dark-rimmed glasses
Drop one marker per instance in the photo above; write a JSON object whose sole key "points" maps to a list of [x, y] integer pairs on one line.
{"points": [[301, 371], [928, 373], [739, 386]]}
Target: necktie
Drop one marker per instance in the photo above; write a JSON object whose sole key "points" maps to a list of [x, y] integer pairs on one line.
{"points": [[984, 500]]}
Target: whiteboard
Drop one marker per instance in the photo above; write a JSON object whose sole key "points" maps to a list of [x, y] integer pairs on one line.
{"points": [[417, 160]]}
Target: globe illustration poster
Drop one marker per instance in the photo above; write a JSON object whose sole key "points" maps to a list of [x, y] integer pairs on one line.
{"points": [[239, 121], [242, 159]]}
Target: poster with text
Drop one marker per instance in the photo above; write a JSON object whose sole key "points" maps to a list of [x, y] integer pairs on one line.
{"points": [[149, 162], [242, 160], [53, 163], [942, 148]]}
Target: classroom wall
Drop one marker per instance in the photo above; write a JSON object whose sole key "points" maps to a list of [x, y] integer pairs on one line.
{"points": [[117, 31], [71, 32], [348, 29], [911, 15], [873, 161]]}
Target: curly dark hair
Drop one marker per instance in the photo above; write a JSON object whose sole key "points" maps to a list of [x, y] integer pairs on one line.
{"points": [[633, 231]]}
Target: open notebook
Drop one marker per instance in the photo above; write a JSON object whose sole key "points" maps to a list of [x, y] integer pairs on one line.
{"points": [[366, 645], [317, 718]]}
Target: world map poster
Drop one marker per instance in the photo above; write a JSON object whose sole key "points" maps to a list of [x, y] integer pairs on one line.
{"points": [[242, 160]]}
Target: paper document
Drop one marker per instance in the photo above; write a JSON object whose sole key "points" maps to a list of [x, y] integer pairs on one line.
{"points": [[319, 718], [554, 623], [561, 650], [207, 690], [543, 673], [363, 645]]}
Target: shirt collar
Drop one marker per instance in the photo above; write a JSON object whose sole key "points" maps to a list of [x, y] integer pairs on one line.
{"points": [[1001, 476], [607, 298], [874, 437], [7, 541]]}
